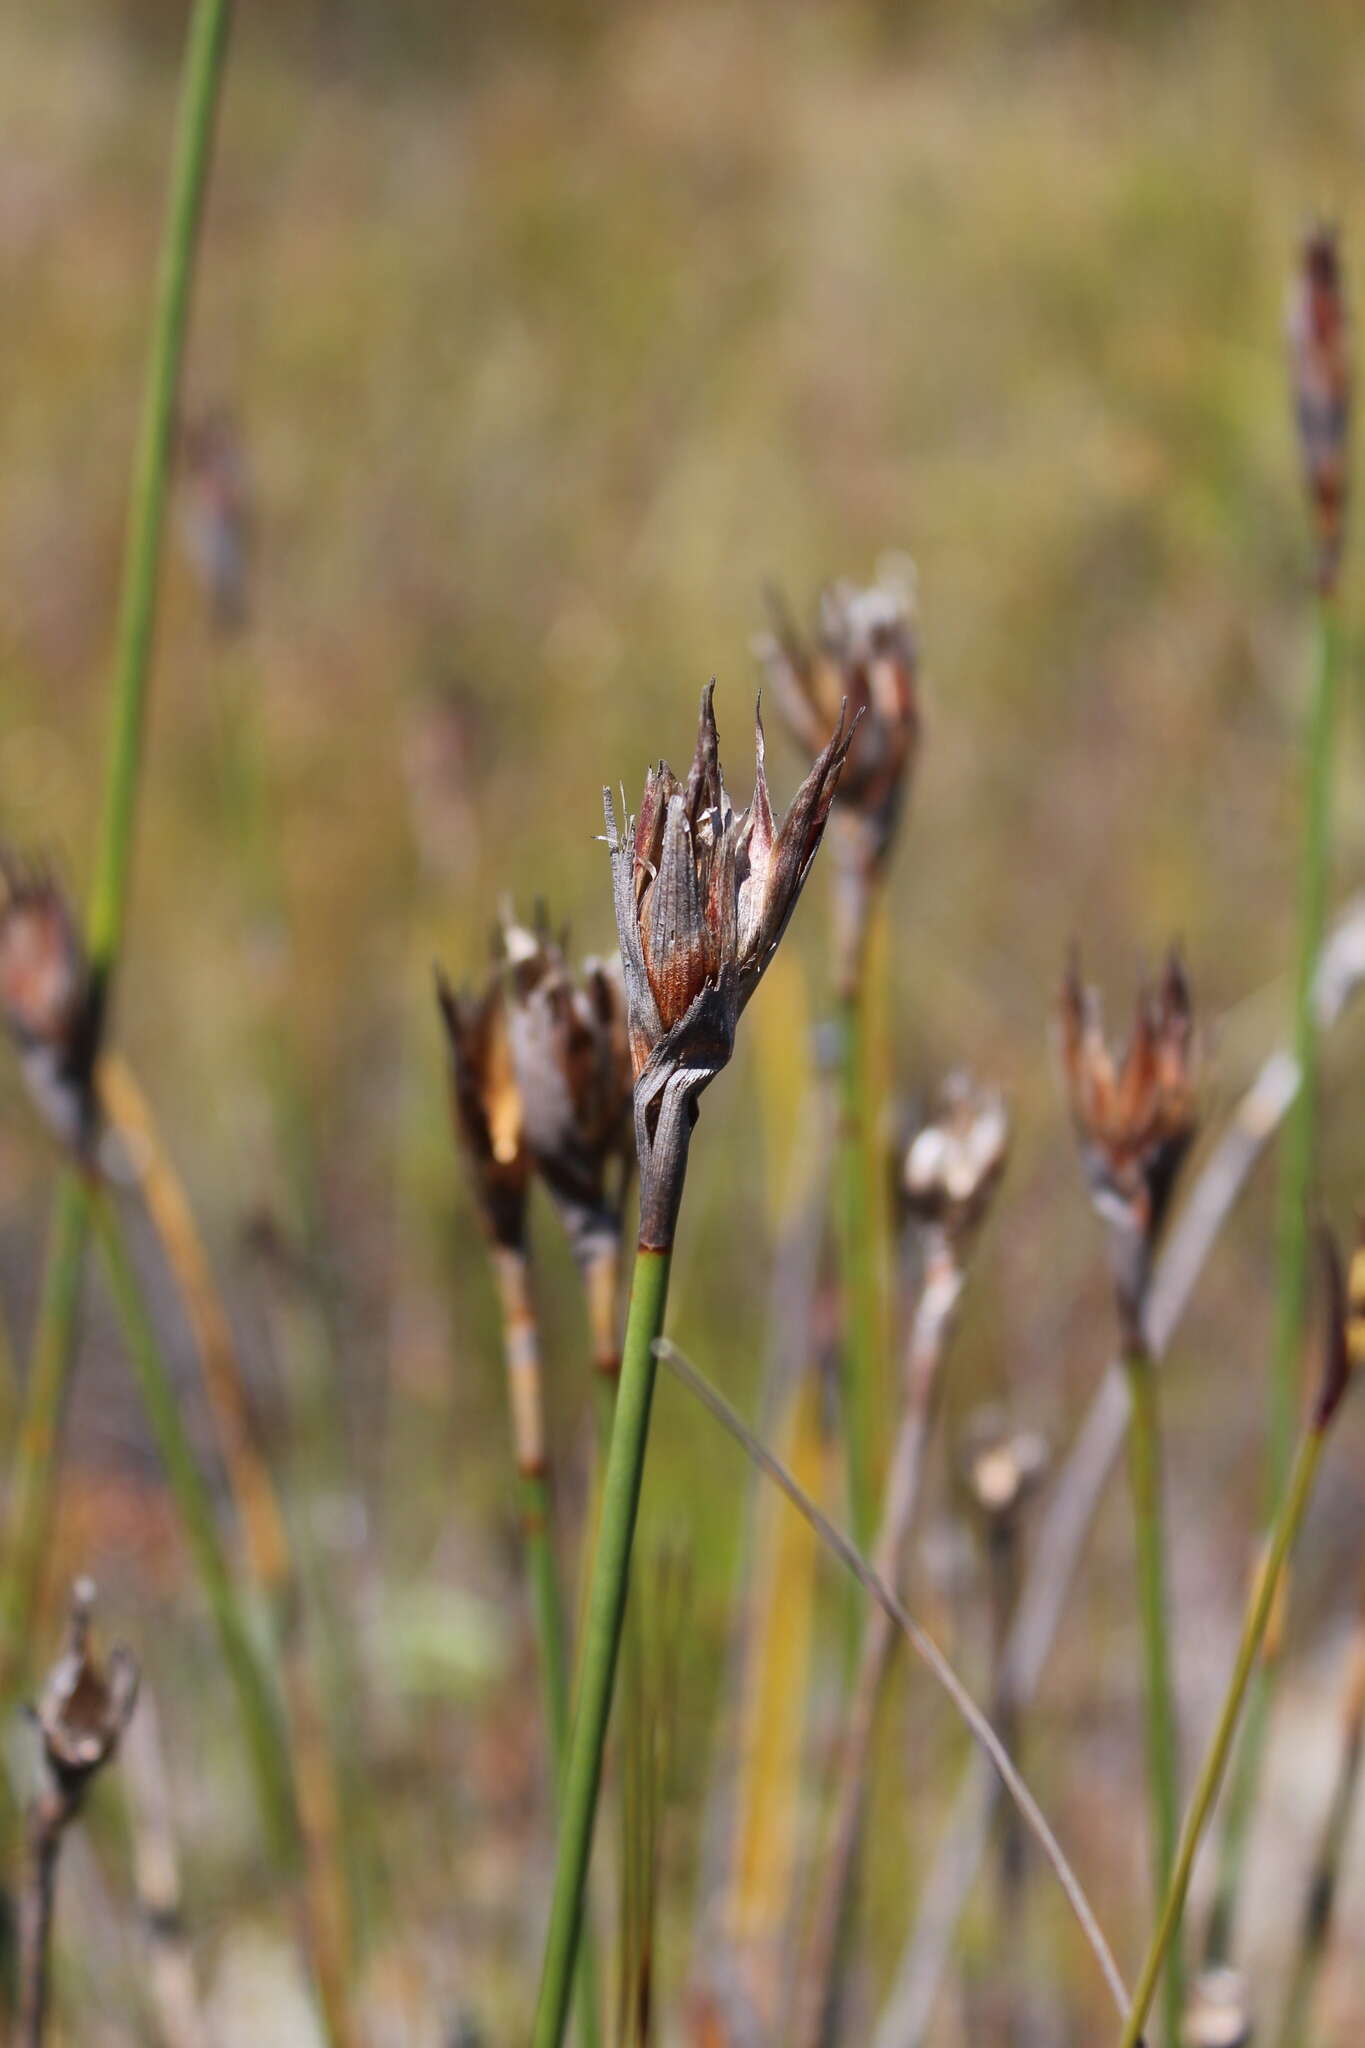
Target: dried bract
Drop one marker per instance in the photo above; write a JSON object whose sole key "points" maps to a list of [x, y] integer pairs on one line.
{"points": [[703, 894], [954, 1162], [1135, 1117], [85, 1706], [47, 999], [571, 1057], [1344, 1336], [1218, 2014], [1320, 373], [487, 1108], [865, 654]]}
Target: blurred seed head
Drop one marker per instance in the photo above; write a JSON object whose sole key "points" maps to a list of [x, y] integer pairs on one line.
{"points": [[46, 998], [703, 895], [1320, 374], [1218, 2012], [486, 1106], [571, 1058], [1135, 1115], [1002, 1467], [954, 1162], [85, 1705]]}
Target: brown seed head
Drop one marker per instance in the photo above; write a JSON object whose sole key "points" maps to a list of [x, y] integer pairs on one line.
{"points": [[1135, 1117], [954, 1163], [85, 1706], [46, 997], [1320, 373], [487, 1107], [1344, 1332], [1218, 2012], [571, 1056]]}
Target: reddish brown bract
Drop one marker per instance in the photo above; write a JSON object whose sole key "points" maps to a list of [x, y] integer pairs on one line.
{"points": [[1320, 372]]}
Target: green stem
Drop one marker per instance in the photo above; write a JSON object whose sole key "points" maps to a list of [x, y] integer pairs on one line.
{"points": [[1144, 1452], [270, 1763], [1211, 1774], [602, 1637], [54, 1343], [858, 1268], [1292, 1232]]}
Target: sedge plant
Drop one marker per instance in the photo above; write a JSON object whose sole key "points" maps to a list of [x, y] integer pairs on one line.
{"points": [[702, 894]]}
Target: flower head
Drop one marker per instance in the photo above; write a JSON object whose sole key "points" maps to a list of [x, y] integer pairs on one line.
{"points": [[1135, 1117], [85, 1706], [47, 999], [1002, 1466], [1320, 373], [571, 1058], [703, 894], [865, 654], [487, 1108], [955, 1160]]}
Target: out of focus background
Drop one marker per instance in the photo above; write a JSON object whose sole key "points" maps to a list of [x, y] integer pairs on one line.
{"points": [[534, 342]]}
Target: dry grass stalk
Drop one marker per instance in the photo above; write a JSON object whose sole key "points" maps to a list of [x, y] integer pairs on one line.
{"points": [[156, 1874]]}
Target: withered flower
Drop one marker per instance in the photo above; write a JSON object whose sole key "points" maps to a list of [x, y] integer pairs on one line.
{"points": [[487, 1107], [865, 654], [702, 894], [1002, 1466], [47, 999], [1320, 374], [1218, 2012], [1135, 1119], [954, 1162]]}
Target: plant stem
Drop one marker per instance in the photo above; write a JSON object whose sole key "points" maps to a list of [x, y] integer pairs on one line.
{"points": [[1144, 1461], [1292, 1231], [38, 1461], [1211, 1774], [858, 1267], [270, 1764], [525, 1400], [602, 1637]]}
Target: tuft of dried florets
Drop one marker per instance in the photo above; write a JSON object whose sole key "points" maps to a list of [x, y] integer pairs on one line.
{"points": [[1320, 376], [1002, 1466], [47, 999], [703, 894], [85, 1705], [486, 1107], [1218, 2012], [1135, 1117], [865, 654], [571, 1056], [954, 1162]]}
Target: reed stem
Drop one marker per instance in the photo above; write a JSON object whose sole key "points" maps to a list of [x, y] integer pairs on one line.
{"points": [[36, 1474], [1144, 1463], [269, 1760], [602, 1637], [858, 1267], [1291, 1235], [1258, 1614]]}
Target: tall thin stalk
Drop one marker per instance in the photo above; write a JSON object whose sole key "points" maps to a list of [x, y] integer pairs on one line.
{"points": [[1258, 1614], [1291, 1238], [602, 1636], [35, 1477], [858, 1268], [1144, 1463]]}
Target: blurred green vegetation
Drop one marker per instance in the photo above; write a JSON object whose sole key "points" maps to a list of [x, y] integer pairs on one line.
{"points": [[553, 334]]}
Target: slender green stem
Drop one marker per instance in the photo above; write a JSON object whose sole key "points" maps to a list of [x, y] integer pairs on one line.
{"points": [[270, 1763], [1292, 1232], [1322, 1888], [35, 1478], [858, 1267], [602, 1637], [1211, 1774], [1144, 1455]]}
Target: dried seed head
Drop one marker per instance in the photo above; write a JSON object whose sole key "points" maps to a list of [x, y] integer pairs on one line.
{"points": [[1218, 2012], [1344, 1334], [571, 1057], [1002, 1466], [1320, 373], [46, 998], [954, 1163], [487, 1108], [703, 894], [1135, 1117], [85, 1706]]}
